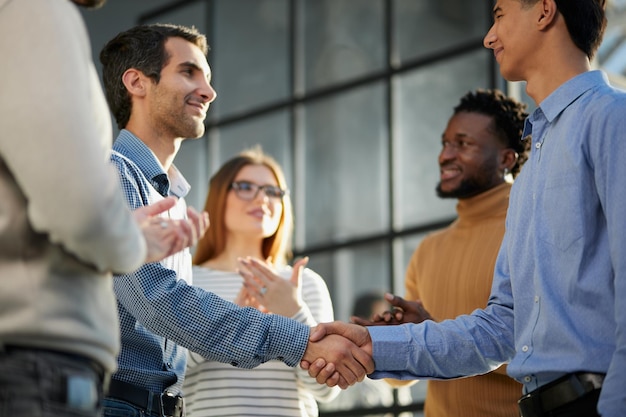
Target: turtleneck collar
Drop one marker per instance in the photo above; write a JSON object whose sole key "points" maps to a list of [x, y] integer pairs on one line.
{"points": [[484, 205]]}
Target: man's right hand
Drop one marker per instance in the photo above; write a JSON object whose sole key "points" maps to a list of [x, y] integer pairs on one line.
{"points": [[403, 311], [338, 354], [165, 237]]}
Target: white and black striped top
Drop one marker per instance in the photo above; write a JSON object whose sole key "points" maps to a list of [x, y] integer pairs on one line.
{"points": [[273, 388]]}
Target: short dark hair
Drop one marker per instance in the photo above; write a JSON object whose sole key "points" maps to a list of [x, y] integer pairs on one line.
{"points": [[508, 117], [143, 48], [585, 21]]}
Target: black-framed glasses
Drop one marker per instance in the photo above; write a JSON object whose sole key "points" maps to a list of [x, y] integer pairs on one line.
{"points": [[247, 190]]}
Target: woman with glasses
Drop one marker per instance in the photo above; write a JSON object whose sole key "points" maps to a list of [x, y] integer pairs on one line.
{"points": [[243, 258]]}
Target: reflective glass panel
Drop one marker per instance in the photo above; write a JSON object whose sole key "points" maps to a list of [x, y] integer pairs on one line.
{"points": [[343, 40], [352, 272], [250, 54], [193, 14], [271, 132], [427, 26], [346, 166], [191, 161]]}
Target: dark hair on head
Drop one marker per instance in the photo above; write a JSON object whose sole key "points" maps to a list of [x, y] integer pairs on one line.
{"points": [[508, 119], [143, 48], [585, 21], [213, 243]]}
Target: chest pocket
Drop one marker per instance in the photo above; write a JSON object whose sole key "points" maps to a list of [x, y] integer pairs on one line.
{"points": [[561, 212]]}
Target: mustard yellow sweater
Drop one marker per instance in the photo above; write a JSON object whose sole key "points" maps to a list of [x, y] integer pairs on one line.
{"points": [[451, 272]]}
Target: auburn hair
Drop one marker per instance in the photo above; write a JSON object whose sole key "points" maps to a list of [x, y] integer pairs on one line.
{"points": [[213, 243]]}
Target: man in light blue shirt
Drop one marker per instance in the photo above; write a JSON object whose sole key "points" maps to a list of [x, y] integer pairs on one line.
{"points": [[557, 311]]}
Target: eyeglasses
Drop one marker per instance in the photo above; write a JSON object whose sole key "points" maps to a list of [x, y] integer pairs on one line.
{"points": [[249, 191]]}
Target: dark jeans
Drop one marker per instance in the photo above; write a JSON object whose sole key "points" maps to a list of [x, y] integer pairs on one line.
{"points": [[116, 408], [38, 383]]}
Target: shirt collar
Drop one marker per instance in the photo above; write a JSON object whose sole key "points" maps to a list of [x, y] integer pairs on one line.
{"points": [[132, 147], [563, 96]]}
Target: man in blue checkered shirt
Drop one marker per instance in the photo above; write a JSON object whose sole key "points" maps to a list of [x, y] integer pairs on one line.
{"points": [[157, 82]]}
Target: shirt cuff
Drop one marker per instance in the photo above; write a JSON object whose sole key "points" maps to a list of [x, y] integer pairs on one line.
{"points": [[391, 347]]}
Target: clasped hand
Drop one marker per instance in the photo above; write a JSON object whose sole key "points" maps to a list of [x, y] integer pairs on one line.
{"points": [[401, 312], [338, 354], [164, 236], [341, 353]]}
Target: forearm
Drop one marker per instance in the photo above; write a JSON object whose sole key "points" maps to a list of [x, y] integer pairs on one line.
{"points": [[450, 349], [205, 323]]}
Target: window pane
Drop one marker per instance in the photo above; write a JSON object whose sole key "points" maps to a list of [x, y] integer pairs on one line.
{"points": [[343, 39], [191, 160], [346, 166], [403, 250], [426, 26], [117, 15], [423, 103], [249, 54], [194, 14], [270, 131], [352, 272]]}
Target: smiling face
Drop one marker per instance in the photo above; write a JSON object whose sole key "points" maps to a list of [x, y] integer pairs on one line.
{"points": [[257, 218], [471, 159], [511, 37], [179, 101]]}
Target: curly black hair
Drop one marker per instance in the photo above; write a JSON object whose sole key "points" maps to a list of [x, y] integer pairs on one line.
{"points": [[508, 116]]}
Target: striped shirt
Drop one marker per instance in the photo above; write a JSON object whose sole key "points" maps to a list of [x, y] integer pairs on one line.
{"points": [[272, 389]]}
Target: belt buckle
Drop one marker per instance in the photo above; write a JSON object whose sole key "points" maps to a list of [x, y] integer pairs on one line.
{"points": [[527, 407], [172, 405]]}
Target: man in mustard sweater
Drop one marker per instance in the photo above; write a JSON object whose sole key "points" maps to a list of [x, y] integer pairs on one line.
{"points": [[451, 271]]}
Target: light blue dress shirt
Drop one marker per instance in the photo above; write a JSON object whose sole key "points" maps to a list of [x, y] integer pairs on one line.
{"points": [[161, 315], [558, 302]]}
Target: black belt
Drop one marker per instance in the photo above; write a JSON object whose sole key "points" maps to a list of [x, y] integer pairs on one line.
{"points": [[164, 404], [559, 393]]}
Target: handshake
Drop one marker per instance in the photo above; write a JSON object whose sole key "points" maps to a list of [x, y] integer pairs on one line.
{"points": [[341, 353]]}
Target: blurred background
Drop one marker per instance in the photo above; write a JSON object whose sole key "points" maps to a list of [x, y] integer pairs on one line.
{"points": [[351, 97]]}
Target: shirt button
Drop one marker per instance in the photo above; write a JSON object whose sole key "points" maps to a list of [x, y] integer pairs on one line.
{"points": [[536, 298], [524, 348], [538, 145], [527, 379], [169, 365]]}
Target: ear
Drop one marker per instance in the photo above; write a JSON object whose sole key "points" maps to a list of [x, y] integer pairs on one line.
{"points": [[135, 82], [547, 13], [508, 158]]}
